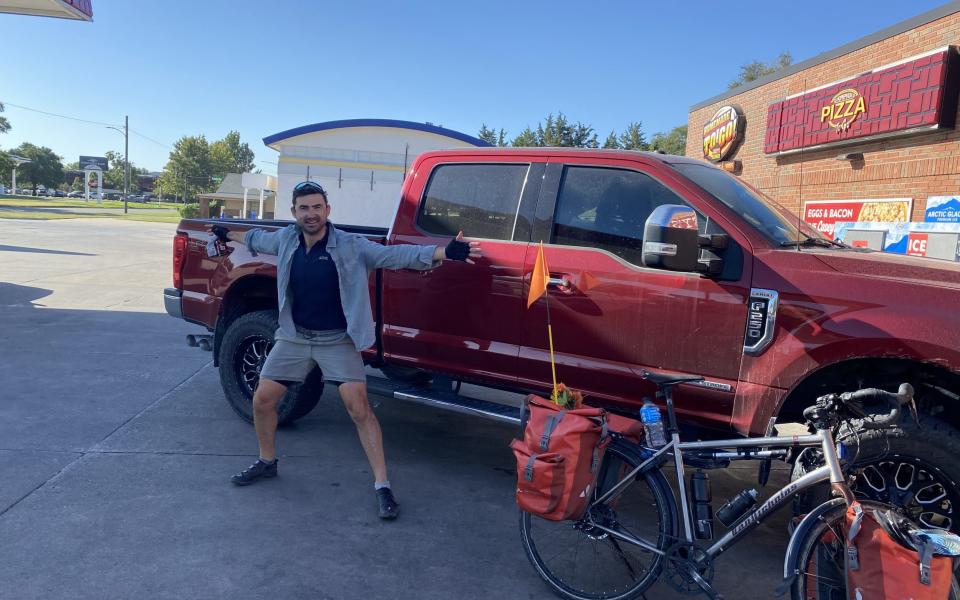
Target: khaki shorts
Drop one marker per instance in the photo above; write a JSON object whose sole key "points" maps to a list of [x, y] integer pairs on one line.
{"points": [[333, 352]]}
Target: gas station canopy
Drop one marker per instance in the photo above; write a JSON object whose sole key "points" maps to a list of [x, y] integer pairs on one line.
{"points": [[80, 10]]}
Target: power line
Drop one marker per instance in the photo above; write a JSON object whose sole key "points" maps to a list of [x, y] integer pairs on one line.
{"points": [[135, 132], [36, 110], [44, 112]]}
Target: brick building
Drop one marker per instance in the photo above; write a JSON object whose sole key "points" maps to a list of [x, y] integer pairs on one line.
{"points": [[873, 120]]}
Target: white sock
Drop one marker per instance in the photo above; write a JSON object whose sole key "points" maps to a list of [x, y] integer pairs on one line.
{"points": [[267, 461], [381, 484]]}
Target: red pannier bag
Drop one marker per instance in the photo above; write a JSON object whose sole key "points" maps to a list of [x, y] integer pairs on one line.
{"points": [[880, 567], [630, 429], [558, 458]]}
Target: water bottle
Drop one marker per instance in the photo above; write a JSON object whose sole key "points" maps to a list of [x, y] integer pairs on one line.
{"points": [[652, 424], [736, 507]]}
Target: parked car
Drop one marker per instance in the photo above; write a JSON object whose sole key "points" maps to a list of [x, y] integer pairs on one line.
{"points": [[657, 263], [75, 195], [135, 198]]}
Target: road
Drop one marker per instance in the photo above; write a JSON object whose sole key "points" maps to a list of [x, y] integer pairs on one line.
{"points": [[116, 446]]}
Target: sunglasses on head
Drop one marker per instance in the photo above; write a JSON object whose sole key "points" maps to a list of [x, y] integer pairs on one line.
{"points": [[308, 187]]}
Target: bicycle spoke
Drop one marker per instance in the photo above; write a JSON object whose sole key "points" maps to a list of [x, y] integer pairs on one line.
{"points": [[626, 561]]}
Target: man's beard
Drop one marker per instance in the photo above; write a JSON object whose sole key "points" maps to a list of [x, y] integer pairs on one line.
{"points": [[313, 226]]}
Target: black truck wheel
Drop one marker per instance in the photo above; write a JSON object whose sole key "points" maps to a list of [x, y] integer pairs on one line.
{"points": [[909, 466], [242, 352]]}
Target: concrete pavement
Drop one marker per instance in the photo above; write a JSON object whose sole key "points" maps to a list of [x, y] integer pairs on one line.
{"points": [[116, 446]]}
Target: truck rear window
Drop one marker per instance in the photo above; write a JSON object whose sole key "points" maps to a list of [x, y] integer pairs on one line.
{"points": [[479, 199]]}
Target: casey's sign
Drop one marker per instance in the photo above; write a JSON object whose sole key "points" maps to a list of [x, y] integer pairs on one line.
{"points": [[723, 133]]}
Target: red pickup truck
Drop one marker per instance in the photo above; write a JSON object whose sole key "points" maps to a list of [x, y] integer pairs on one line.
{"points": [[658, 263]]}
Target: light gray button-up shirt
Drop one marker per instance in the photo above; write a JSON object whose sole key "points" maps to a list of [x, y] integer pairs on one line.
{"points": [[354, 256]]}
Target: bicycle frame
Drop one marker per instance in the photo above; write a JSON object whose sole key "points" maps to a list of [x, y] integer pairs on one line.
{"points": [[830, 471]]}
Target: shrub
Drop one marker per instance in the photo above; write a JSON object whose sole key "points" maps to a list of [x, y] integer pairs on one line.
{"points": [[189, 211]]}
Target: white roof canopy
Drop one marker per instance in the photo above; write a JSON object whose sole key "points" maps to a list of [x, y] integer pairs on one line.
{"points": [[79, 10]]}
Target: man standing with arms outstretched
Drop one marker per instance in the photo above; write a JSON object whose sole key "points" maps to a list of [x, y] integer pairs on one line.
{"points": [[325, 318]]}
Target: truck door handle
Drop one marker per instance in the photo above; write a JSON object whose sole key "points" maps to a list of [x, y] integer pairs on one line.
{"points": [[562, 282]]}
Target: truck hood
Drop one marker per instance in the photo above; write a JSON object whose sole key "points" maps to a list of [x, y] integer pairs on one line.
{"points": [[883, 265]]}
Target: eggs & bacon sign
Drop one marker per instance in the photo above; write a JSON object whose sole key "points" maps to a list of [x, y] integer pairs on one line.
{"points": [[824, 215]]}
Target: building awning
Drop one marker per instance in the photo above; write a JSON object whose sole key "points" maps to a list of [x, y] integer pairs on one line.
{"points": [[78, 10], [271, 141]]}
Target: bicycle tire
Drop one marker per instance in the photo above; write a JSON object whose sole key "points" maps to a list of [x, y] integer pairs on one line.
{"points": [[560, 551], [823, 542]]}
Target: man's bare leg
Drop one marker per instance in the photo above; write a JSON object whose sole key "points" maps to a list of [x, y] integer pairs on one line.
{"points": [[265, 400], [354, 396]]}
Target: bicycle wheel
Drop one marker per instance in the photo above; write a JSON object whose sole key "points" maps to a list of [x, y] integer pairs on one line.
{"points": [[821, 573], [583, 562]]}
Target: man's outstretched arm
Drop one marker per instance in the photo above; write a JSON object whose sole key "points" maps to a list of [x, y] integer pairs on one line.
{"points": [[256, 240], [458, 249], [226, 235], [408, 256]]}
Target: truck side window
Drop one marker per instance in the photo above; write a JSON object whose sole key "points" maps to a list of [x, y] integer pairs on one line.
{"points": [[482, 200], [607, 209]]}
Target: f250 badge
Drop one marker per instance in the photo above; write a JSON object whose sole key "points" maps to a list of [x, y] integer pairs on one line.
{"points": [[761, 318]]}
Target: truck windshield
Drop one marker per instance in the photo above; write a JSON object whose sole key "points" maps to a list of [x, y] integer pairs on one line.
{"points": [[775, 222]]}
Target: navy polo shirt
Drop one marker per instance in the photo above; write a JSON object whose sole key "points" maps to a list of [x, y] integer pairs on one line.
{"points": [[315, 288]]}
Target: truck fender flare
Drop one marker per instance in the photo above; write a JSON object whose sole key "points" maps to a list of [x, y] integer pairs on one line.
{"points": [[218, 331]]}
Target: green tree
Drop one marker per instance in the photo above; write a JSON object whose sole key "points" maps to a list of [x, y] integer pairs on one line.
{"points": [[230, 155], [488, 135], [113, 178], [6, 168], [633, 138], [560, 131], [612, 141], [188, 170], [43, 169], [756, 69], [4, 123], [525, 139], [671, 142]]}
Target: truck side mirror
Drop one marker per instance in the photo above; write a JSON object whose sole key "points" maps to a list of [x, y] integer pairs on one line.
{"points": [[671, 239]]}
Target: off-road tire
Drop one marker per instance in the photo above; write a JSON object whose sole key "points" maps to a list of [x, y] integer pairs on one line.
{"points": [[933, 446], [254, 332]]}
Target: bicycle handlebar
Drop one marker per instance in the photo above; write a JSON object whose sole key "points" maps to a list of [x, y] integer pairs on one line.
{"points": [[903, 396]]}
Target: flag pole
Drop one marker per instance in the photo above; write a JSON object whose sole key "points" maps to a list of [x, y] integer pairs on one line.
{"points": [[553, 364]]}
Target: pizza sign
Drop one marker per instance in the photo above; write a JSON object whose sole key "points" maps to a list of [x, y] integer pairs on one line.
{"points": [[843, 109], [723, 133]]}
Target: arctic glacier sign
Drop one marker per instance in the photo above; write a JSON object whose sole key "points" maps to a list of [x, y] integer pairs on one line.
{"points": [[942, 209]]}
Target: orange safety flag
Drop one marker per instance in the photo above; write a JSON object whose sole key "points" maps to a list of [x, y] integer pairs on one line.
{"points": [[539, 278]]}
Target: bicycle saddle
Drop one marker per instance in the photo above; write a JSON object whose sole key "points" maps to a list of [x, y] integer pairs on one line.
{"points": [[667, 379]]}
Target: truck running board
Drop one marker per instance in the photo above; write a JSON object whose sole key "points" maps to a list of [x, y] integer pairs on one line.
{"points": [[437, 397]]}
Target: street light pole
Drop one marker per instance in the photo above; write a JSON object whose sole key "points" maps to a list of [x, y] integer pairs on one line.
{"points": [[126, 160], [126, 157]]}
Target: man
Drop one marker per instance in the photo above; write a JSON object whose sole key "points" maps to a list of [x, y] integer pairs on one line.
{"points": [[325, 317]]}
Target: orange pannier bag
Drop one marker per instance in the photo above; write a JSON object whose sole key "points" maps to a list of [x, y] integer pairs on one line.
{"points": [[558, 458], [880, 567]]}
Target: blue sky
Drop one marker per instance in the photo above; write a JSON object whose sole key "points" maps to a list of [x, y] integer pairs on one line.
{"points": [[189, 67]]}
